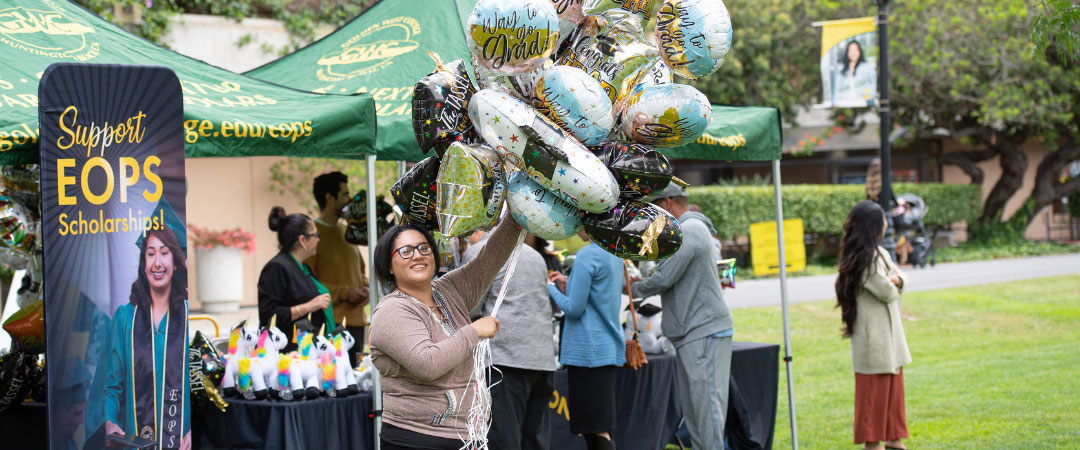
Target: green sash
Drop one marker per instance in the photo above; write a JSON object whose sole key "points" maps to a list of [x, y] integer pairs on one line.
{"points": [[329, 311]]}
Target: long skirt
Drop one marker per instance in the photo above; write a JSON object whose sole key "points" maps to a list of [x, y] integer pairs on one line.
{"points": [[879, 407]]}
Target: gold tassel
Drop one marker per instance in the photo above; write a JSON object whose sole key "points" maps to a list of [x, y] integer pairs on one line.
{"points": [[212, 392]]}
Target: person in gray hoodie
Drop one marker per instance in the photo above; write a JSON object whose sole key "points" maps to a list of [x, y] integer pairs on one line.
{"points": [[696, 320]]}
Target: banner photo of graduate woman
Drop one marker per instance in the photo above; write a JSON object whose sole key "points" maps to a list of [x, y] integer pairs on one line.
{"points": [[115, 256], [849, 51]]}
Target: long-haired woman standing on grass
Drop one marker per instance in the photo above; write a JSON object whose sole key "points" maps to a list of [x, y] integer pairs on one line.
{"points": [[868, 294]]}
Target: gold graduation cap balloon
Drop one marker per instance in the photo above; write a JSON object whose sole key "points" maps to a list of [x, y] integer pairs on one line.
{"points": [[635, 230]]}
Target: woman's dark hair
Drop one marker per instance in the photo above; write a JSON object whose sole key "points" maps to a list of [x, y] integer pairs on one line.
{"points": [[858, 247], [385, 247], [289, 227], [551, 261], [178, 291], [847, 60]]}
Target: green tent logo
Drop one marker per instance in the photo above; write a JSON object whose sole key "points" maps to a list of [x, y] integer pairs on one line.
{"points": [[371, 50], [47, 33]]}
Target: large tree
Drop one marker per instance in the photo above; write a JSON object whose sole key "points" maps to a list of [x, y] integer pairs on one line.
{"points": [[966, 68]]}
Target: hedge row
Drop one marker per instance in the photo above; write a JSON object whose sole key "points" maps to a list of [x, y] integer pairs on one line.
{"points": [[823, 207]]}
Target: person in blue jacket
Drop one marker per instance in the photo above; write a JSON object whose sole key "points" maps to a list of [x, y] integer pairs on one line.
{"points": [[146, 385], [593, 346]]}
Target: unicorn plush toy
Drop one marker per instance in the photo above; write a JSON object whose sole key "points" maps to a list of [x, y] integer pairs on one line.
{"points": [[283, 381], [243, 372], [305, 363], [336, 346]]}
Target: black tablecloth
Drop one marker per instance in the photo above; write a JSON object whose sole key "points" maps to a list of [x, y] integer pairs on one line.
{"points": [[649, 413], [25, 426], [752, 396], [647, 405], [324, 423]]}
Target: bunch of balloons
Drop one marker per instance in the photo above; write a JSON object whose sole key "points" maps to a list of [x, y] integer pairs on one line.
{"points": [[570, 101], [20, 248]]}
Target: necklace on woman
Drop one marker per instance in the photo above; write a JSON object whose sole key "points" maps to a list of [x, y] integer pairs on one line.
{"points": [[447, 322]]}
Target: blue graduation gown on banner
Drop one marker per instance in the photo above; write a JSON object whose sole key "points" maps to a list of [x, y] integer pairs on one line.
{"points": [[118, 365]]}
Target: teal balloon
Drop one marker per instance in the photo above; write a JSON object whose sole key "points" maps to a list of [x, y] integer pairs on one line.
{"points": [[539, 210]]}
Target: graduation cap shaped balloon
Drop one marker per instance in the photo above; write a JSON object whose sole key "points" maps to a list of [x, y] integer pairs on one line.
{"points": [[440, 106], [204, 360], [356, 218], [639, 169], [635, 230], [17, 370], [471, 189], [415, 196]]}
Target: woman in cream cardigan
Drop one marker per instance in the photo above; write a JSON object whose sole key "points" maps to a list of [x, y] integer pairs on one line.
{"points": [[868, 294]]}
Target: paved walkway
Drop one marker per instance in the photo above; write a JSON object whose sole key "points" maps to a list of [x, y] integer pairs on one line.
{"points": [[754, 293]]}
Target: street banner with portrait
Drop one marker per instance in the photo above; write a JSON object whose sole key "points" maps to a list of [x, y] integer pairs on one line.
{"points": [[849, 63], [114, 243]]}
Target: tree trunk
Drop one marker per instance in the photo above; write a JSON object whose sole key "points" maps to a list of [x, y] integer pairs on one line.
{"points": [[967, 160], [1013, 166], [1047, 189]]}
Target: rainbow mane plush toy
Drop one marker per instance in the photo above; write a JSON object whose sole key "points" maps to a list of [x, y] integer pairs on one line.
{"points": [[241, 370]]}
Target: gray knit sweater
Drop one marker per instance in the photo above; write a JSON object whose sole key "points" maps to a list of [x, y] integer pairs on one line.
{"points": [[524, 340], [425, 369], [689, 286]]}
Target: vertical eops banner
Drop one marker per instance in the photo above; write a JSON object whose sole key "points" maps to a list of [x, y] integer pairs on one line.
{"points": [[849, 63], [115, 264]]}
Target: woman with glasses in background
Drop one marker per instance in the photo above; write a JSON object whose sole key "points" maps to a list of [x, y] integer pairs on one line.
{"points": [[287, 289], [421, 337]]}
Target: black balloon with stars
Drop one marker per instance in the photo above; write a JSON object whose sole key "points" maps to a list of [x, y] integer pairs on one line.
{"points": [[415, 193], [18, 373], [440, 107], [623, 231], [356, 219], [204, 359], [640, 169]]}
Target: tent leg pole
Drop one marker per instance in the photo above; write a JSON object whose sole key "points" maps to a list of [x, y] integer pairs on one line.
{"points": [[778, 199], [375, 294]]}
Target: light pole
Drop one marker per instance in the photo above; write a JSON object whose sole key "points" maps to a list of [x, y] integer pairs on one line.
{"points": [[885, 199]]}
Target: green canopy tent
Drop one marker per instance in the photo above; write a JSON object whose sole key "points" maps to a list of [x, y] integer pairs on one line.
{"points": [[751, 133], [735, 133], [225, 114], [384, 52]]}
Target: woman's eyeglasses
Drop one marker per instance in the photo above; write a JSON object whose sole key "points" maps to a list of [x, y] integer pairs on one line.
{"points": [[312, 235], [406, 251]]}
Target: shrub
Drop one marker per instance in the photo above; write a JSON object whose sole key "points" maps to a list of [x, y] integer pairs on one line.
{"points": [[824, 207]]}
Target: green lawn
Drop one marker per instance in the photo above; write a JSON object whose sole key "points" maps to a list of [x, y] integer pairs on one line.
{"points": [[994, 368]]}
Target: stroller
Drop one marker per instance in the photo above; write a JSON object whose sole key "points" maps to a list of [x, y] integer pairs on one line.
{"points": [[911, 232]]}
